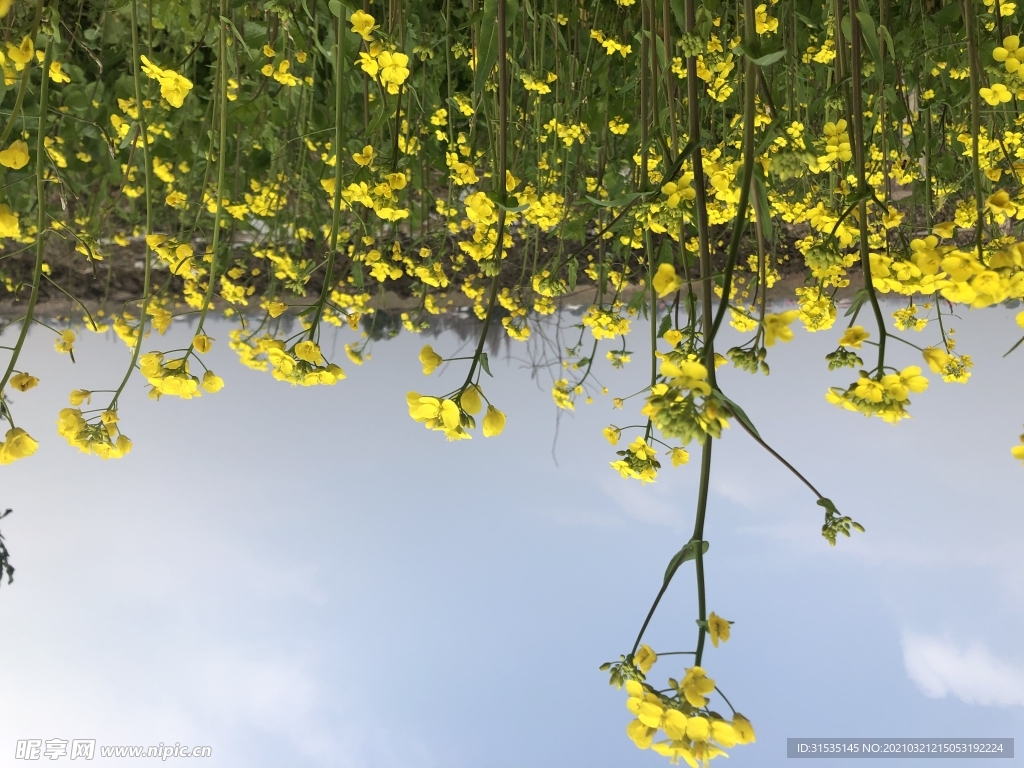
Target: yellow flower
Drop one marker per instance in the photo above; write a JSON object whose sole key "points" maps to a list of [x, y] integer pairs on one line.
{"points": [[945, 229], [1009, 53], [996, 95], [21, 54], [57, 74], [899, 385], [176, 199], [9, 224], [999, 202], [173, 87], [430, 359], [936, 359], [15, 156], [23, 382], [79, 396], [698, 728], [393, 69], [276, 308], [644, 658], [641, 735], [431, 409], [202, 343], [494, 422], [718, 628], [65, 341], [744, 730], [695, 685], [362, 25], [1018, 450], [309, 351], [666, 280], [854, 337], [617, 126], [612, 435], [365, 157], [470, 400], [680, 456], [1020, 319], [17, 444], [212, 382], [776, 327]]}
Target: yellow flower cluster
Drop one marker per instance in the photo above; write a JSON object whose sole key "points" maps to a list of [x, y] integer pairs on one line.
{"points": [[101, 438], [693, 734]]}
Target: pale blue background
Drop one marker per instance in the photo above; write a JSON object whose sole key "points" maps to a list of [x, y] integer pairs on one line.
{"points": [[306, 577]]}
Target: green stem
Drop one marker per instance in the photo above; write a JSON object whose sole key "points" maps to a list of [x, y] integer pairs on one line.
{"points": [[862, 186], [41, 228], [222, 98], [749, 110], [698, 538], [26, 73], [339, 128], [970, 21]]}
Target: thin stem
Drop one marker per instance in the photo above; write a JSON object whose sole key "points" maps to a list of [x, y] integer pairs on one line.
{"points": [[749, 108], [862, 186], [142, 137], [41, 229], [339, 127]]}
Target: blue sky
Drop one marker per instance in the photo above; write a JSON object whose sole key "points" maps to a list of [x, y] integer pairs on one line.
{"points": [[306, 577]]}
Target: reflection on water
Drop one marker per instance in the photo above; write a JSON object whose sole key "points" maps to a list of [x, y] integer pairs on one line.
{"points": [[306, 577]]}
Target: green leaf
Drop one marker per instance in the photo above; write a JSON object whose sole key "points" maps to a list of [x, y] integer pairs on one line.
{"points": [[946, 15], [740, 414], [128, 137], [828, 505], [867, 28], [759, 57], [638, 302], [573, 266], [517, 209], [485, 364], [764, 212], [238, 35], [888, 39], [618, 202], [378, 120], [487, 47], [666, 323], [336, 8], [858, 301], [688, 552], [679, 11]]}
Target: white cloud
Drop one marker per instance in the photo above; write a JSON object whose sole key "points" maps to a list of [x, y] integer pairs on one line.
{"points": [[657, 504], [973, 674]]}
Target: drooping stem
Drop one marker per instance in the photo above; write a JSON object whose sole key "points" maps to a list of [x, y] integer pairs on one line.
{"points": [[222, 100], [41, 228], [500, 191], [339, 116], [698, 539], [701, 200], [862, 186], [970, 22], [25, 75], [749, 110], [143, 138]]}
